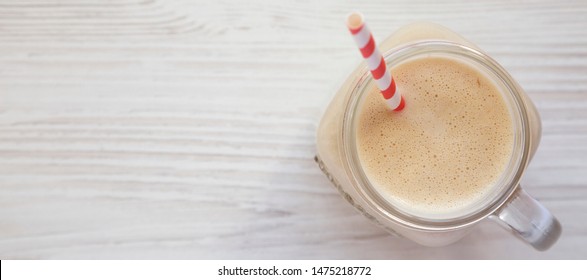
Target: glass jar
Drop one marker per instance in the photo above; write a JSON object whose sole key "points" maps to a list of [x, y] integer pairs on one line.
{"points": [[508, 204]]}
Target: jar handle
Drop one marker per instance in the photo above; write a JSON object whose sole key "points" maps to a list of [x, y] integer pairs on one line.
{"points": [[529, 220]]}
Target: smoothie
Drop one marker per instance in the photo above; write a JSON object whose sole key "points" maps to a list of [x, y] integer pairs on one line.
{"points": [[447, 149]]}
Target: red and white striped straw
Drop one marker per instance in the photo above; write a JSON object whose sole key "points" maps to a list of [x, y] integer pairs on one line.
{"points": [[375, 61]]}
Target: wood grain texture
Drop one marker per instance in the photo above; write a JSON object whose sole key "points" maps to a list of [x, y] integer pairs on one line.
{"points": [[186, 129]]}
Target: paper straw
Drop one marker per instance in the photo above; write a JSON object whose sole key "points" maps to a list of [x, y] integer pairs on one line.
{"points": [[375, 62]]}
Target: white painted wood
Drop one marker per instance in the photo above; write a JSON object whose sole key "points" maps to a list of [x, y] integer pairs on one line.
{"points": [[185, 129]]}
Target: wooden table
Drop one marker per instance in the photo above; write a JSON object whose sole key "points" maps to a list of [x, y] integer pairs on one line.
{"points": [[186, 129]]}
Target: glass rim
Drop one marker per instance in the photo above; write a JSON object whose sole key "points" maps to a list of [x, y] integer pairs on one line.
{"points": [[360, 181]]}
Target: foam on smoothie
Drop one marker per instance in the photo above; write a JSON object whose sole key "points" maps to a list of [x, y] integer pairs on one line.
{"points": [[444, 152]]}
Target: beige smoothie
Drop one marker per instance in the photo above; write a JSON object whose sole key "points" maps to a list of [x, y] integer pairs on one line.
{"points": [[445, 151], [442, 158]]}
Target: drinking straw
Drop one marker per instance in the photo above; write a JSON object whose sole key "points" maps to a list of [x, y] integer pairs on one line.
{"points": [[385, 82]]}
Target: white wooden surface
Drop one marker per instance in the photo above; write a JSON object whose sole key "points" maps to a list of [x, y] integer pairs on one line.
{"points": [[185, 129]]}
